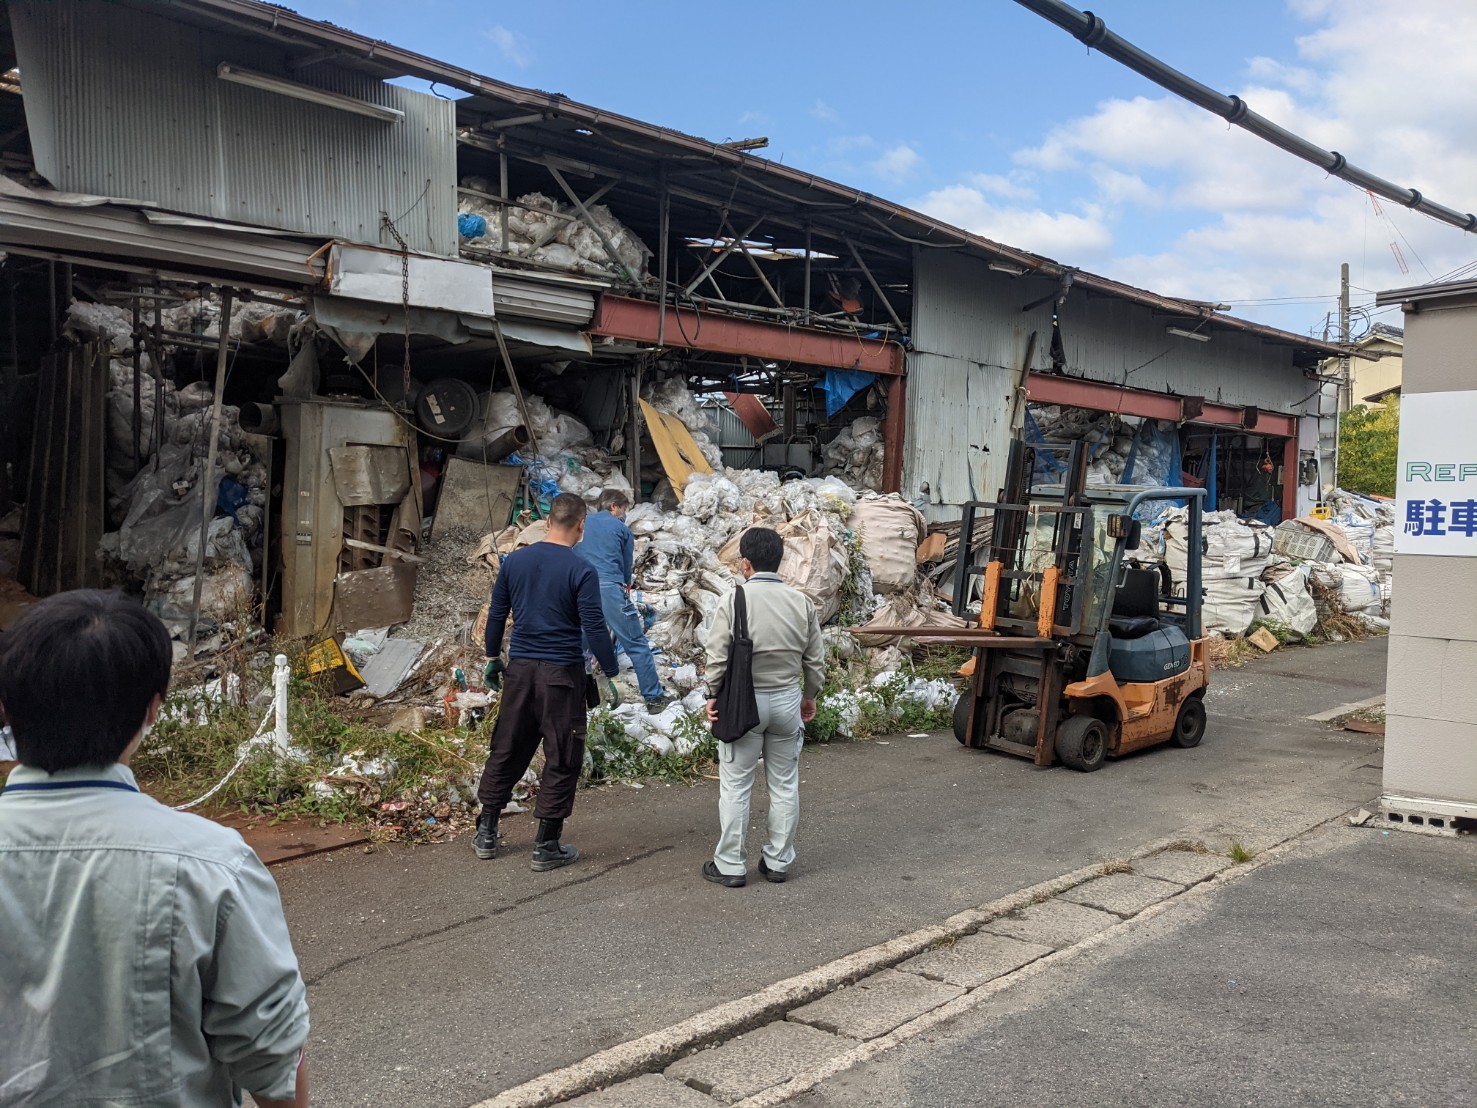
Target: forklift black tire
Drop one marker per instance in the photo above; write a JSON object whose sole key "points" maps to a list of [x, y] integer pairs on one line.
{"points": [[1082, 743], [961, 718], [1189, 725]]}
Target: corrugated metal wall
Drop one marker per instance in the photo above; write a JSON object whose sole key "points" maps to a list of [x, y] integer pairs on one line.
{"points": [[125, 103], [970, 335]]}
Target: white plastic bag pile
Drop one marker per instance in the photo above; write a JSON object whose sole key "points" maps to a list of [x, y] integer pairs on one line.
{"points": [[1230, 571], [934, 695], [565, 240], [1109, 438], [155, 502], [566, 455], [855, 455]]}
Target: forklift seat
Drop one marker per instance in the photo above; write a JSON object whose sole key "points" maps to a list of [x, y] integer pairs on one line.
{"points": [[1135, 605]]}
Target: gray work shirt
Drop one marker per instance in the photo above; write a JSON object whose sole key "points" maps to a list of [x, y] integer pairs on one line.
{"points": [[143, 954]]}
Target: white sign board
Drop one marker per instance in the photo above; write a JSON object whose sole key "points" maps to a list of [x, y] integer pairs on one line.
{"points": [[387, 277], [1436, 483]]}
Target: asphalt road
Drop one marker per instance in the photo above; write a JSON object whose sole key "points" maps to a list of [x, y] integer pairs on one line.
{"points": [[1340, 974], [437, 979]]}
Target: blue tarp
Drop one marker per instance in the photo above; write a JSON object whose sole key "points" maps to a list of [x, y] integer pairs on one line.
{"points": [[840, 385]]}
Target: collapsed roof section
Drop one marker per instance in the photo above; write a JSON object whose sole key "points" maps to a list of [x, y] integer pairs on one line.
{"points": [[780, 210]]}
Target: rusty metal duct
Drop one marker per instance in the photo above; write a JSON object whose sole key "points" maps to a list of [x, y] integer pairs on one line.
{"points": [[1094, 33]]}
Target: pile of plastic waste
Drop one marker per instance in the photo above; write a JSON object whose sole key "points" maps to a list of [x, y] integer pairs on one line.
{"points": [[542, 229]]}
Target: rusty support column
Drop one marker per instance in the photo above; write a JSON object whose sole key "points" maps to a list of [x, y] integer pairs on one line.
{"points": [[138, 429], [633, 434], [207, 483], [805, 314], [893, 433], [664, 230], [156, 357], [1290, 478], [502, 215]]}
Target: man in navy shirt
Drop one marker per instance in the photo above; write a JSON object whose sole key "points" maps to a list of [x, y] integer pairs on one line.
{"points": [[609, 547], [554, 597]]}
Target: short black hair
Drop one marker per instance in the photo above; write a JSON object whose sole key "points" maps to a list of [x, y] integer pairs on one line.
{"points": [[763, 547], [77, 674], [614, 498], [566, 510]]}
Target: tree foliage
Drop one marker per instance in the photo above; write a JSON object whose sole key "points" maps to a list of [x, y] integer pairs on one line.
{"points": [[1368, 441]]}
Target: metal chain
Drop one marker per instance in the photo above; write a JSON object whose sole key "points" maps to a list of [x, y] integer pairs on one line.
{"points": [[404, 297]]}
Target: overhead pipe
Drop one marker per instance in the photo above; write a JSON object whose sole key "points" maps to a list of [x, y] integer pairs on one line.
{"points": [[1094, 33]]}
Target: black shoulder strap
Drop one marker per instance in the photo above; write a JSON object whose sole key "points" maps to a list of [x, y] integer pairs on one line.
{"points": [[740, 614]]}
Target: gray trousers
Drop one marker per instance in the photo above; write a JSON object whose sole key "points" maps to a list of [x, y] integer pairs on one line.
{"points": [[777, 740]]}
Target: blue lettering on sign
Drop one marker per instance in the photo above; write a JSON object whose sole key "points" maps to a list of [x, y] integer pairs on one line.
{"points": [[1433, 518]]}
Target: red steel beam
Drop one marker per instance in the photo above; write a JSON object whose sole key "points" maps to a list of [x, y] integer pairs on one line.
{"points": [[894, 429], [621, 317], [1044, 388]]}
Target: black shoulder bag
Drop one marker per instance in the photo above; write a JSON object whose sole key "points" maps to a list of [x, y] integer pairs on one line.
{"points": [[738, 711]]}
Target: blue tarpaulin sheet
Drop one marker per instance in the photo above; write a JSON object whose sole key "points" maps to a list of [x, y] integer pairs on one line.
{"points": [[840, 385]]}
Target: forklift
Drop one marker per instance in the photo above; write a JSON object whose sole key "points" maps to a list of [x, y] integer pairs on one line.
{"points": [[1080, 653]]}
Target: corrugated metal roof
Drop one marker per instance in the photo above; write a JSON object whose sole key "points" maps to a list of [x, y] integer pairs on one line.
{"points": [[903, 223], [122, 237], [127, 103]]}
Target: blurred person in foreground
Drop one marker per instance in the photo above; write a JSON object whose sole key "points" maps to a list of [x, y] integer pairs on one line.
{"points": [[789, 670], [143, 951], [609, 546], [554, 597]]}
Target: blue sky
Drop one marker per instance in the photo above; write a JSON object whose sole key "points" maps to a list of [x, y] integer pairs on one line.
{"points": [[986, 115]]}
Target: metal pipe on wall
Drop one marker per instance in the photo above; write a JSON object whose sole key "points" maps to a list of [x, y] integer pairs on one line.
{"points": [[1093, 32]]}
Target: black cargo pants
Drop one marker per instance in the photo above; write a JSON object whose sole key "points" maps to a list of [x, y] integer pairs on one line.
{"points": [[545, 702]]}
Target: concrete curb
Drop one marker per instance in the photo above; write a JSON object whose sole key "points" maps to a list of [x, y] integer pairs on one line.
{"points": [[1344, 709], [801, 1083], [654, 1051]]}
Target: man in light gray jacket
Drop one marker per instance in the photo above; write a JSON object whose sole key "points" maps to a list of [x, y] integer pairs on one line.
{"points": [[143, 953], [789, 670]]}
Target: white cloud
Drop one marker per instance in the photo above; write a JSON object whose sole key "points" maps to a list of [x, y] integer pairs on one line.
{"points": [[757, 119], [1007, 188], [511, 45], [824, 112], [1387, 83], [1064, 235], [898, 164]]}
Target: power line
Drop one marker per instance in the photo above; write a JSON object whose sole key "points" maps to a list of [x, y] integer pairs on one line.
{"points": [[1094, 33]]}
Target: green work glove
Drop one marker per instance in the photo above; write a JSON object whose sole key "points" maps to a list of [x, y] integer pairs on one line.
{"points": [[493, 674], [615, 693]]}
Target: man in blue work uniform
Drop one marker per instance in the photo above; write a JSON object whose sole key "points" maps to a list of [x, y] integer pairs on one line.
{"points": [[145, 957], [609, 547], [554, 598]]}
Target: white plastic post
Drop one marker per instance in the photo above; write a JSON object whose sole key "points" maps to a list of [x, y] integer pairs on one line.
{"points": [[281, 675]]}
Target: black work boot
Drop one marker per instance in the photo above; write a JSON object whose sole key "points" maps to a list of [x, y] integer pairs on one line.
{"points": [[485, 841], [547, 852]]}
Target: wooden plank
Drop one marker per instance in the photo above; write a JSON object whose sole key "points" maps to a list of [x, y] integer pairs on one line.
{"points": [[675, 447]]}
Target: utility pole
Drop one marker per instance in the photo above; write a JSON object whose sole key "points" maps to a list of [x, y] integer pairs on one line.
{"points": [[1341, 387]]}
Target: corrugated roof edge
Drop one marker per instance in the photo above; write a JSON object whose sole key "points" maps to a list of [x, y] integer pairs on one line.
{"points": [[273, 19], [1416, 293]]}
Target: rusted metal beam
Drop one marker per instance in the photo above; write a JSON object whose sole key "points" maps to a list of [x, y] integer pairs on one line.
{"points": [[894, 434], [631, 320], [1046, 388]]}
